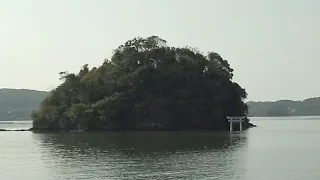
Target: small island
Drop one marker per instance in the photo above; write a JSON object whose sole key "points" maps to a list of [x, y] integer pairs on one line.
{"points": [[146, 85]]}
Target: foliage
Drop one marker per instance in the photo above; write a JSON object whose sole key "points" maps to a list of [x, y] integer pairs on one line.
{"points": [[145, 85], [307, 107], [17, 104]]}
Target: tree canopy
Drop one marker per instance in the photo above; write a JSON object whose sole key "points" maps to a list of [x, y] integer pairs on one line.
{"points": [[145, 85]]}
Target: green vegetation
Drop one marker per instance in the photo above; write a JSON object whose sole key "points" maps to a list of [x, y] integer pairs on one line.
{"points": [[308, 107], [17, 104], [145, 85]]}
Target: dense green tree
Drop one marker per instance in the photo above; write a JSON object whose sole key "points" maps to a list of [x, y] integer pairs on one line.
{"points": [[145, 85]]}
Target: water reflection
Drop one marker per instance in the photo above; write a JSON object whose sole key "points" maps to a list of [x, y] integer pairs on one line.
{"points": [[143, 142], [144, 155]]}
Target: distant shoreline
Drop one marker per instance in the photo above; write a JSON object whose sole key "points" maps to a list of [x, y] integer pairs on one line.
{"points": [[122, 130], [306, 107], [282, 116], [15, 130]]}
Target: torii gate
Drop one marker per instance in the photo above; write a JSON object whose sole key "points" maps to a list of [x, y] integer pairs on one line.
{"points": [[236, 119]]}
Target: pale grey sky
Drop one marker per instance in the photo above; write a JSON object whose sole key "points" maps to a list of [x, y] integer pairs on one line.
{"points": [[273, 45]]}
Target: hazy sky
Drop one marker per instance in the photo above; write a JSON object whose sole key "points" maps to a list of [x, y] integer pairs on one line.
{"points": [[273, 45]]}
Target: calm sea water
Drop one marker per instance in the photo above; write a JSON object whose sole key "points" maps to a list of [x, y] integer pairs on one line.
{"points": [[278, 149]]}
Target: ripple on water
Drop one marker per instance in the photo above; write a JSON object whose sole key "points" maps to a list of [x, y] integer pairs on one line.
{"points": [[126, 155]]}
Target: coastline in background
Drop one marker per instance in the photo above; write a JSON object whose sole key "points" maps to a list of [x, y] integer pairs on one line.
{"points": [[17, 105], [307, 107]]}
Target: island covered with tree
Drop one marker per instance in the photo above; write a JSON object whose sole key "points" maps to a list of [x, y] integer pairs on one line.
{"points": [[307, 107], [146, 85]]}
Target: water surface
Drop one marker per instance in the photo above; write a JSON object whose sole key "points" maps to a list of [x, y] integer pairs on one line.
{"points": [[278, 149]]}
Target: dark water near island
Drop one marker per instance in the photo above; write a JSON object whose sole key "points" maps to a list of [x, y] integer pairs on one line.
{"points": [[278, 149]]}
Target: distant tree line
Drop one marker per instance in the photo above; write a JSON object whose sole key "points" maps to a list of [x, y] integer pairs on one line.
{"points": [[307, 107], [17, 104]]}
